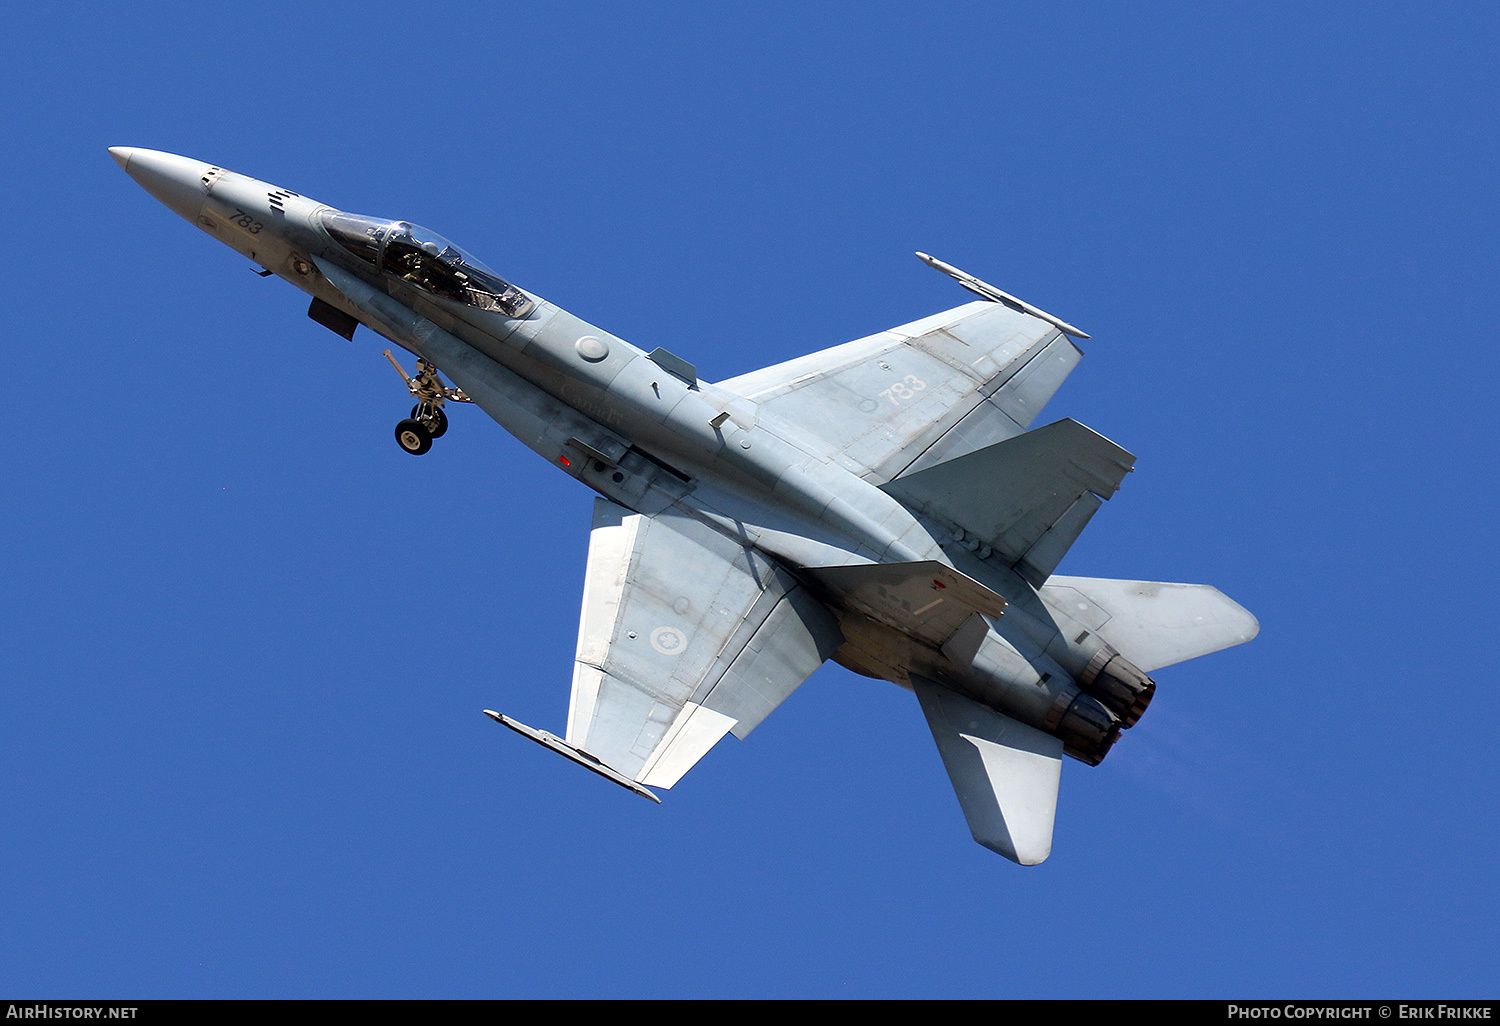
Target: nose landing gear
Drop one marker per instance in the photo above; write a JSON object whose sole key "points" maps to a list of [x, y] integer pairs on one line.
{"points": [[427, 420]]}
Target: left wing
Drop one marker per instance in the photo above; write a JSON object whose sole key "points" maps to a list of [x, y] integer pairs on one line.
{"points": [[686, 635]]}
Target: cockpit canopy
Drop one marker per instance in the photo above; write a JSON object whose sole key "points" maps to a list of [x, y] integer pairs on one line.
{"points": [[426, 260]]}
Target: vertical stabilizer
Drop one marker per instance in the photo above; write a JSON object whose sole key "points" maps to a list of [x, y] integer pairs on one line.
{"points": [[1005, 773], [1027, 497]]}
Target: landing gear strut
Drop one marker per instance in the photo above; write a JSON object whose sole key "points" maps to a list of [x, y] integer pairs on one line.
{"points": [[433, 416], [427, 420]]}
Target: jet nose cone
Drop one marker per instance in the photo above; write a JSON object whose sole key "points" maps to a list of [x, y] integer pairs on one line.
{"points": [[175, 181]]}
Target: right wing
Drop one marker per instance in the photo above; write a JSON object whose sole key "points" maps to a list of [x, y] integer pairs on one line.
{"points": [[916, 395], [686, 635]]}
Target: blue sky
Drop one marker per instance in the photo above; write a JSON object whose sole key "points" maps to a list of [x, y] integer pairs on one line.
{"points": [[247, 640]]}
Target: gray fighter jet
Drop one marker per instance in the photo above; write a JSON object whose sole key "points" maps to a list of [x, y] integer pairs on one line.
{"points": [[883, 503]]}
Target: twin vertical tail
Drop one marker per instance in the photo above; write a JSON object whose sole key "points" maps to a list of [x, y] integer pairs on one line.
{"points": [[1027, 498]]}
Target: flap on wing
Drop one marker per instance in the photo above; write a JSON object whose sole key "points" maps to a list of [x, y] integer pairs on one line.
{"points": [[1028, 497], [685, 635], [695, 730], [1006, 774], [926, 391], [1154, 624]]}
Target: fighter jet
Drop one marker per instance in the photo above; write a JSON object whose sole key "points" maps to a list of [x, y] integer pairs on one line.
{"points": [[884, 503]]}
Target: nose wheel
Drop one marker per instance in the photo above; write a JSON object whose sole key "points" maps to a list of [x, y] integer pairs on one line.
{"points": [[427, 420], [412, 436]]}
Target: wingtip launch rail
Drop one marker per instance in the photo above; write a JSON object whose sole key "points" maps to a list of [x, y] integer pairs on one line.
{"points": [[988, 291], [566, 750]]}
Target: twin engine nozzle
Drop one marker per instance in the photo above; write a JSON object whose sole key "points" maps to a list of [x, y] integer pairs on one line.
{"points": [[1117, 682], [1115, 692], [1112, 698], [1086, 708]]}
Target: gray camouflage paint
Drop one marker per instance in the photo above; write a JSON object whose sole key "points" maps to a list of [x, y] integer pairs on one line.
{"points": [[881, 503]]}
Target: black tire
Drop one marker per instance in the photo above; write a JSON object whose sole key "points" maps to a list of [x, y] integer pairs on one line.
{"points": [[439, 426], [413, 437]]}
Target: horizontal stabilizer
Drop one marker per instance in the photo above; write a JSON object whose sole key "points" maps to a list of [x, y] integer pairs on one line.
{"points": [[1005, 773], [1154, 624], [1028, 497], [928, 599]]}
